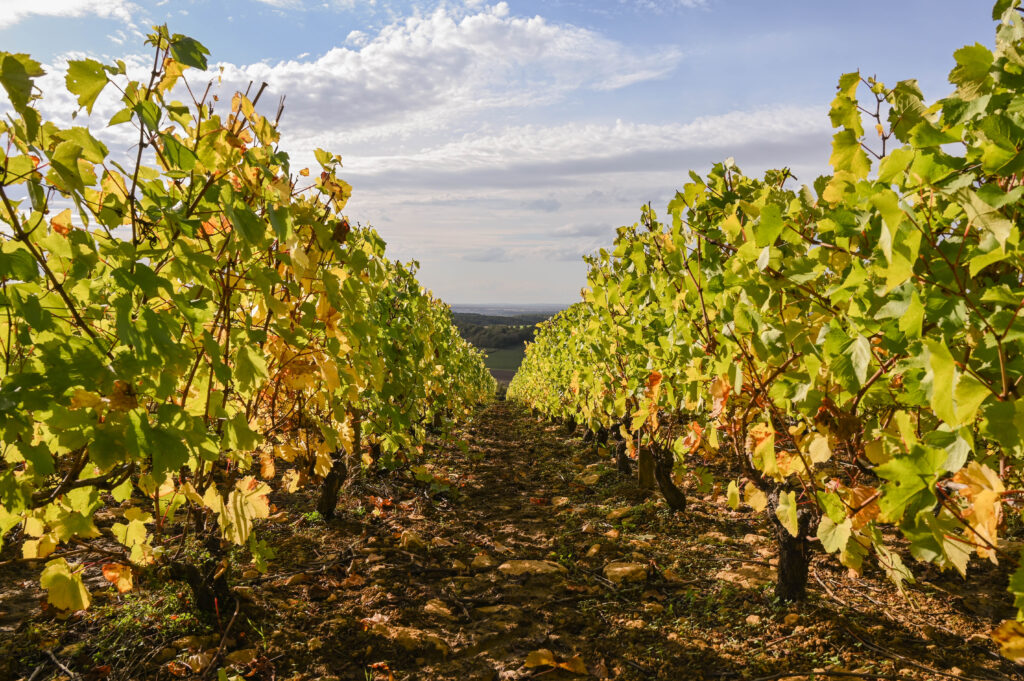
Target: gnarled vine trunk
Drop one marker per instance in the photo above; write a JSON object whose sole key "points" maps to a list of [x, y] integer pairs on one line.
{"points": [[645, 468], [331, 488], [794, 552], [621, 460], [664, 462], [206, 578]]}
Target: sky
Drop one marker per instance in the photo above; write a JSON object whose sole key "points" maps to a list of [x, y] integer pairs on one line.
{"points": [[498, 142]]}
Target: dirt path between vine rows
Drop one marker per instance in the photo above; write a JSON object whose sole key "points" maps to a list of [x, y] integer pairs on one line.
{"points": [[530, 556]]}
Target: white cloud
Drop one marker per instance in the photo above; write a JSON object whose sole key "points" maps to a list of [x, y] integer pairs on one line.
{"points": [[331, 4], [577, 230], [13, 11], [492, 254], [428, 70], [588, 147], [548, 205], [665, 5], [282, 4], [357, 38]]}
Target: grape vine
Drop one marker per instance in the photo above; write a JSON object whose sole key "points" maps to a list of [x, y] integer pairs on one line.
{"points": [[852, 350], [184, 334]]}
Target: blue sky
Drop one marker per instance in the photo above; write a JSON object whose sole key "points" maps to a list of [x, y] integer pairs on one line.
{"points": [[497, 142]]}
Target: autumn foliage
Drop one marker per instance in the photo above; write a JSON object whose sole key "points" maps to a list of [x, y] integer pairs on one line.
{"points": [[852, 349], [190, 330]]}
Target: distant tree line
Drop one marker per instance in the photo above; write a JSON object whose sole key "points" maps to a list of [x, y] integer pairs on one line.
{"points": [[491, 332]]}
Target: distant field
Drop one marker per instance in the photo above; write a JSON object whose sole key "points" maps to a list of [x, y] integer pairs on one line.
{"points": [[506, 359]]}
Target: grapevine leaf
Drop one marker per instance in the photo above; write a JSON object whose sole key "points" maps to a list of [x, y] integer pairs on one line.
{"points": [[985, 216], [16, 262], [907, 477], [769, 226], [118, 575], [895, 164], [177, 154], [859, 352], [913, 319], [971, 71], [64, 589], [834, 536], [86, 79], [189, 52], [956, 396], [149, 114], [64, 162], [1016, 587], [17, 72], [1009, 635], [92, 149], [786, 512], [832, 505], [848, 156], [250, 369], [733, 495], [754, 498]]}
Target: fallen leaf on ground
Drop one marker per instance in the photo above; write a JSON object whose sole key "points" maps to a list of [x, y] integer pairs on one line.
{"points": [[748, 576], [438, 608], [353, 580], [410, 541], [618, 573], [409, 638], [546, 658], [483, 561], [199, 661], [515, 568], [619, 513], [241, 657]]}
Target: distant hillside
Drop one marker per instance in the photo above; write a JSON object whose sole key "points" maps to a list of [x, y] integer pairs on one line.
{"points": [[500, 336], [493, 331], [509, 310]]}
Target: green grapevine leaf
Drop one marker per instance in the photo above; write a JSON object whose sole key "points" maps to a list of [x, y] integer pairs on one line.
{"points": [[86, 78]]}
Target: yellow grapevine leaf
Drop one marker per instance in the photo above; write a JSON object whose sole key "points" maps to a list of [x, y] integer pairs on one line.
{"points": [[324, 460], [1010, 637], [84, 399], [786, 512], [34, 527], [546, 658], [732, 495], [720, 389], [819, 450], [134, 534], [541, 658], [64, 588], [983, 489], [286, 452], [40, 548], [754, 498], [761, 444], [291, 481], [247, 502], [61, 223]]}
